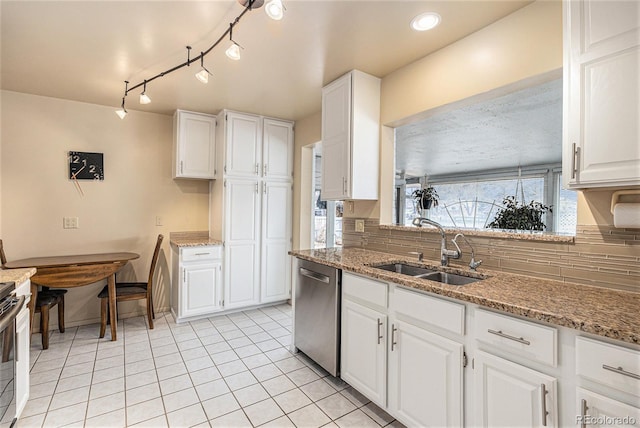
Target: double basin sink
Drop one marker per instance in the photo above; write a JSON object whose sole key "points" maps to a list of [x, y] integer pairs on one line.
{"points": [[426, 273]]}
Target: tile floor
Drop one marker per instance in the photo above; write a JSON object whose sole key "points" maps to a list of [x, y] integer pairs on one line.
{"points": [[223, 371]]}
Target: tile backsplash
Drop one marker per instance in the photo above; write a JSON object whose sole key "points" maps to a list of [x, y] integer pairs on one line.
{"points": [[601, 255]]}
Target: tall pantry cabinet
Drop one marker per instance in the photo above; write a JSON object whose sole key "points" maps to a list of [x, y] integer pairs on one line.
{"points": [[250, 208]]}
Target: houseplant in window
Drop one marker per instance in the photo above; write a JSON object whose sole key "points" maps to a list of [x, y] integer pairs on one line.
{"points": [[520, 216], [425, 199]]}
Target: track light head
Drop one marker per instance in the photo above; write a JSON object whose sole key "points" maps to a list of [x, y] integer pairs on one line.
{"points": [[122, 112], [275, 9], [255, 4], [203, 75], [233, 52], [144, 98]]}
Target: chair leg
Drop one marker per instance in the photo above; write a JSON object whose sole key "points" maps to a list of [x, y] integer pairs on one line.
{"points": [[150, 313], [153, 311], [44, 325], [61, 314], [103, 316]]}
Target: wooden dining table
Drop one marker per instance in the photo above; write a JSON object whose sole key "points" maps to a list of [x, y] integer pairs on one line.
{"points": [[76, 271]]}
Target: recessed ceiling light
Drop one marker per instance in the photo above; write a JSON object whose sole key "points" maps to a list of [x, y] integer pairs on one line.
{"points": [[425, 21]]}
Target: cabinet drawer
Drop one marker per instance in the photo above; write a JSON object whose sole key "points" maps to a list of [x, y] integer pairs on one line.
{"points": [[608, 364], [364, 289], [201, 253], [532, 341], [438, 312]]}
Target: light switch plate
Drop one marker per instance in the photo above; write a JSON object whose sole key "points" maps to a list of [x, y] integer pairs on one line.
{"points": [[359, 225], [70, 223]]}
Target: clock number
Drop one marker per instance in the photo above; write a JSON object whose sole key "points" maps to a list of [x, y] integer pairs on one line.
{"points": [[75, 159], [92, 169], [96, 176]]}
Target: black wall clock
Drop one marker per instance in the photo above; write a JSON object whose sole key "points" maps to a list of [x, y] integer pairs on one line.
{"points": [[86, 166]]}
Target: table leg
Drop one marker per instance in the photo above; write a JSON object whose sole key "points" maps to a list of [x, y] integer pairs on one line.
{"points": [[113, 309], [32, 306]]}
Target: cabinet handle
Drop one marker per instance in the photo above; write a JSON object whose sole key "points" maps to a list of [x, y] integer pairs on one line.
{"points": [[344, 185], [393, 336], [543, 403], [621, 371], [181, 167], [264, 170], [379, 331], [202, 254], [184, 276], [574, 161], [256, 187], [264, 189], [583, 413], [508, 336], [257, 168]]}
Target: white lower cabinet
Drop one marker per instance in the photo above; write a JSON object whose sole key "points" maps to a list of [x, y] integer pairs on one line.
{"points": [[197, 282], [364, 350], [22, 345], [511, 395], [411, 372], [425, 377], [595, 410]]}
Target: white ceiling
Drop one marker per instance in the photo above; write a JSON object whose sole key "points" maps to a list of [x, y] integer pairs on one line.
{"points": [[522, 128], [84, 50]]}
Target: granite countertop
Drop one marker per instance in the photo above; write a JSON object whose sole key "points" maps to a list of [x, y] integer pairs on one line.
{"points": [[16, 275], [192, 239], [600, 311]]}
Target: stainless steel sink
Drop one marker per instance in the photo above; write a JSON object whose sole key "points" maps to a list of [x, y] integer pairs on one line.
{"points": [[430, 274], [448, 278], [406, 269]]}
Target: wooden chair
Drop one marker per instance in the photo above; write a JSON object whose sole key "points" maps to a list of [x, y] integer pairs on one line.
{"points": [[47, 299], [131, 291]]}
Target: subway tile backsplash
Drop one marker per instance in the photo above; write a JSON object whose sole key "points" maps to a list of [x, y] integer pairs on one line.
{"points": [[601, 255]]}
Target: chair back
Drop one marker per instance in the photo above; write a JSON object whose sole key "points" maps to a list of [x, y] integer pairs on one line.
{"points": [[154, 262], [3, 258]]}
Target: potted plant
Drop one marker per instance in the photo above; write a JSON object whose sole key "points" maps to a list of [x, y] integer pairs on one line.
{"points": [[425, 198], [520, 216]]}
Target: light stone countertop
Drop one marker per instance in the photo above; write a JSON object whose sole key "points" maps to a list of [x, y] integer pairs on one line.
{"points": [[16, 275], [192, 239], [601, 311]]}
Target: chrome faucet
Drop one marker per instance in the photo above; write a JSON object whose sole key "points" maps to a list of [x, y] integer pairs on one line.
{"points": [[473, 264], [445, 254]]}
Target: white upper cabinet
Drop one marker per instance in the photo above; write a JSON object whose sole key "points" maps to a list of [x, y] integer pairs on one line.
{"points": [[351, 137], [244, 145], [602, 93], [194, 144], [277, 149]]}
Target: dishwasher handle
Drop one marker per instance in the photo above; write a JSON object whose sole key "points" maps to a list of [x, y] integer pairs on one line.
{"points": [[314, 275]]}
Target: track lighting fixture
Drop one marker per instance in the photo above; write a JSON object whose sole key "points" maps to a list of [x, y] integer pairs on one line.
{"points": [[203, 75], [122, 111], [275, 10], [233, 51], [144, 98]]}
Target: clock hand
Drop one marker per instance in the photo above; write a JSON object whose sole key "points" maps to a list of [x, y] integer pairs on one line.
{"points": [[73, 176]]}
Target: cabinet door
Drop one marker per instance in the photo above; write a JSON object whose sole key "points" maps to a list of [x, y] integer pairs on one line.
{"points": [[595, 410], [425, 377], [510, 395], [22, 359], [242, 243], [363, 361], [277, 149], [276, 241], [336, 139], [195, 146], [200, 292], [243, 145], [602, 96]]}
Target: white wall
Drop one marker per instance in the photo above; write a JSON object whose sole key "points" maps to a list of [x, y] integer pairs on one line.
{"points": [[117, 214]]}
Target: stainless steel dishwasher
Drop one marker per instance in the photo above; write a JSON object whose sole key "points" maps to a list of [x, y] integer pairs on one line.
{"points": [[317, 314]]}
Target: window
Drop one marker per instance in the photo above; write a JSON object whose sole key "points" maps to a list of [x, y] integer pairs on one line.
{"points": [[473, 201], [327, 215]]}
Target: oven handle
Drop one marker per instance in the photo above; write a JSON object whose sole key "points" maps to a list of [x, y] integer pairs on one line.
{"points": [[10, 316]]}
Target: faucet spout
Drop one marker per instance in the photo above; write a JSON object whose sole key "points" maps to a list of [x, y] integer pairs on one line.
{"points": [[445, 254]]}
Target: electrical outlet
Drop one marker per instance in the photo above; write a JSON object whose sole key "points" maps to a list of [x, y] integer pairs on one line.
{"points": [[159, 221], [359, 225], [70, 222]]}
